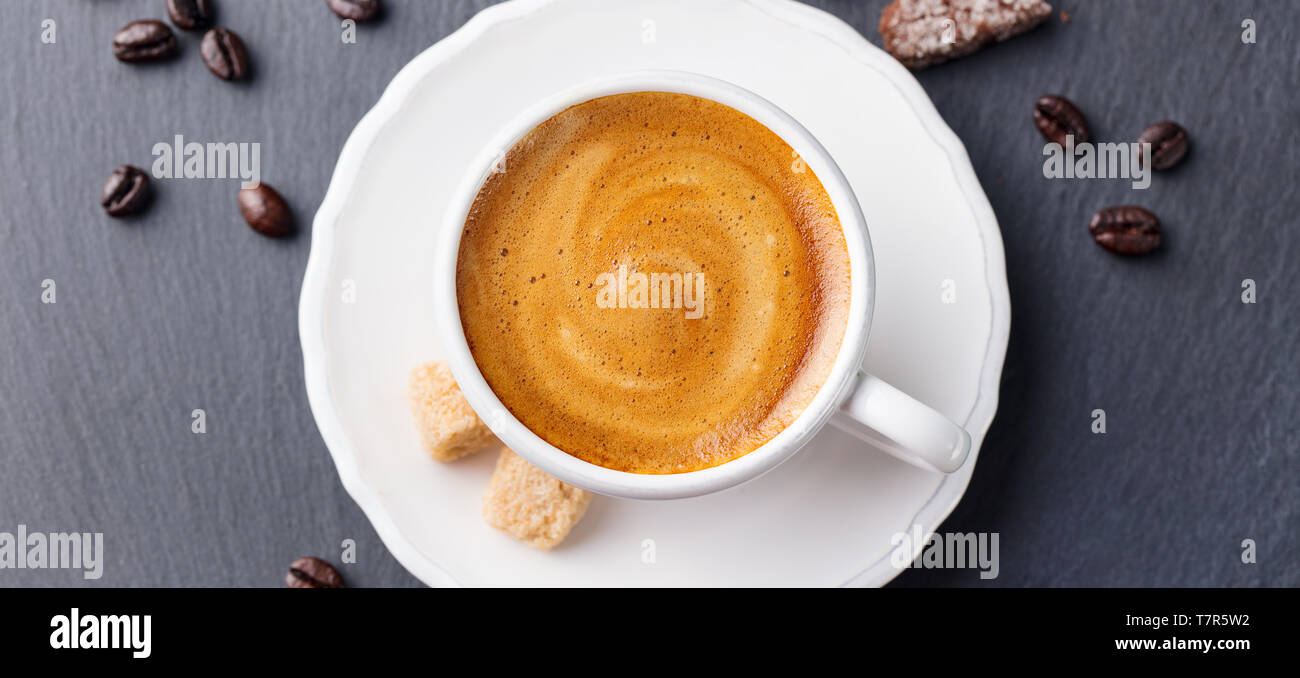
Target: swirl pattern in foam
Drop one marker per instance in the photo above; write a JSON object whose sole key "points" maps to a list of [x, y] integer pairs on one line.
{"points": [[565, 281]]}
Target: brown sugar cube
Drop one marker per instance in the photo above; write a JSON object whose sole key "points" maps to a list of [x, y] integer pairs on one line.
{"points": [[922, 33], [531, 506], [449, 429]]}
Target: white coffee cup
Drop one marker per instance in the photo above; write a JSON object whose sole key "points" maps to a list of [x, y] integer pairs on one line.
{"points": [[853, 400]]}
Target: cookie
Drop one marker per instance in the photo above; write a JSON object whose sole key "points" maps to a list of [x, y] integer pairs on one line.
{"points": [[922, 33]]}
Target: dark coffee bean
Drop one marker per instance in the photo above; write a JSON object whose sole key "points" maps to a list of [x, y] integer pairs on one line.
{"points": [[1126, 229], [312, 573], [265, 211], [190, 14], [356, 10], [1056, 117], [146, 40], [126, 191], [1168, 143], [224, 54]]}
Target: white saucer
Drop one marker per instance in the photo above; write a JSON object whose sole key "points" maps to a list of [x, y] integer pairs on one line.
{"points": [[827, 516]]}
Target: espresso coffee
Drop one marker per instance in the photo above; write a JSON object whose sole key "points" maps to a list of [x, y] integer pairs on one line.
{"points": [[653, 282]]}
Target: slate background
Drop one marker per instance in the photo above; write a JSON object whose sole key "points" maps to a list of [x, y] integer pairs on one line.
{"points": [[186, 308]]}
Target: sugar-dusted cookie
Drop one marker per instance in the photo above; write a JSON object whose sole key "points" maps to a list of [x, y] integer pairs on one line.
{"points": [[922, 33]]}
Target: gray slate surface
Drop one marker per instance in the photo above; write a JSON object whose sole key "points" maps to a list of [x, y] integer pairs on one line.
{"points": [[186, 308]]}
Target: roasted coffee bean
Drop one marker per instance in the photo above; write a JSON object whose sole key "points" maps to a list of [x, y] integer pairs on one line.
{"points": [[265, 211], [312, 573], [1126, 229], [356, 10], [146, 40], [190, 14], [126, 191], [1168, 143], [224, 54], [1056, 117]]}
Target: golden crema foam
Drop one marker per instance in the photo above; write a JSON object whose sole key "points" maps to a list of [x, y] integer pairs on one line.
{"points": [[653, 282]]}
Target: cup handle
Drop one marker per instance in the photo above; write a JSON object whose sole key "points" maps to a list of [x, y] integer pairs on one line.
{"points": [[885, 417]]}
